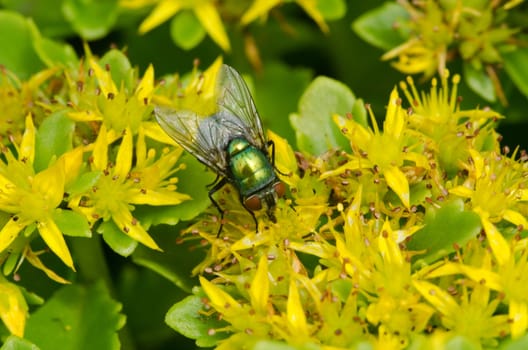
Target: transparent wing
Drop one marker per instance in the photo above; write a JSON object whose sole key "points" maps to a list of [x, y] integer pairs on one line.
{"points": [[207, 137], [235, 98]]}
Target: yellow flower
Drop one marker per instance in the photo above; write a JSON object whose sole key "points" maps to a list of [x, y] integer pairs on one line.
{"points": [[205, 11], [494, 185], [261, 8], [31, 198], [121, 186], [13, 307], [383, 152]]}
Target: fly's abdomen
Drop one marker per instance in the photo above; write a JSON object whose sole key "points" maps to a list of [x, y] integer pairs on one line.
{"points": [[250, 168]]}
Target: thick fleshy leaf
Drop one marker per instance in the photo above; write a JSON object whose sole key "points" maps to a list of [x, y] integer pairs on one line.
{"points": [[16, 37], [382, 27], [332, 9], [54, 53], [186, 31], [515, 65], [479, 82], [15, 343], [54, 138], [78, 318], [279, 80], [120, 69], [72, 223], [186, 317], [116, 239], [91, 19], [316, 133], [444, 227]]}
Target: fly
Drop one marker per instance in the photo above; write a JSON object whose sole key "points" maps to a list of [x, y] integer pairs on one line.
{"points": [[231, 142]]}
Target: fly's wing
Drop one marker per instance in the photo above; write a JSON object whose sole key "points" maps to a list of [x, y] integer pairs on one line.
{"points": [[200, 136], [207, 137], [235, 99]]}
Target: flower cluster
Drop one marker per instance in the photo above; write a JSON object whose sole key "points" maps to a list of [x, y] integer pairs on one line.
{"points": [[80, 153], [419, 230]]}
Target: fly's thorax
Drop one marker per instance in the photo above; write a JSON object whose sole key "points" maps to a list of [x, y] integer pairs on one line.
{"points": [[252, 173]]}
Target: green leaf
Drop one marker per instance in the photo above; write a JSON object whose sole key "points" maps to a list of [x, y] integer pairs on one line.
{"points": [[459, 342], [91, 19], [186, 31], [84, 183], [444, 227], [277, 345], [279, 80], [16, 42], [516, 65], [479, 82], [177, 260], [54, 53], [332, 9], [383, 27], [316, 133], [15, 343], [72, 223], [193, 180], [120, 68], [517, 344], [77, 318], [54, 137], [187, 318], [116, 239]]}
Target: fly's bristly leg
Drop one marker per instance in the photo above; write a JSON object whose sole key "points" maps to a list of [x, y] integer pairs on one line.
{"points": [[212, 191], [252, 215], [272, 145]]}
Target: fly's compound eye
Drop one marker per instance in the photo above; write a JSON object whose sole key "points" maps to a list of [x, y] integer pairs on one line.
{"points": [[253, 203], [279, 188]]}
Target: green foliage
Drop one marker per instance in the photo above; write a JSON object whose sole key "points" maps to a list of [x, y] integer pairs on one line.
{"points": [[404, 220], [79, 318]]}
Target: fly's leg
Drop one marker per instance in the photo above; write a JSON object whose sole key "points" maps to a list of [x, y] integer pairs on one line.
{"points": [[252, 215], [272, 145], [212, 191]]}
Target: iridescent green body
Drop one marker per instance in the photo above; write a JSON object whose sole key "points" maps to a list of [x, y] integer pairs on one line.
{"points": [[250, 168]]}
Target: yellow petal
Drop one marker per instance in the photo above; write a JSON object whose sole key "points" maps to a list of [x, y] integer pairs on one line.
{"points": [[499, 245], [104, 78], [27, 146], [53, 237], [210, 19], [100, 150], [259, 290], [34, 260], [397, 181], [73, 161], [257, 9], [439, 298], [50, 183], [165, 10], [285, 160], [153, 197], [395, 117], [461, 191], [146, 86], [478, 162], [85, 116], [13, 308], [132, 228], [124, 155], [154, 131], [518, 316], [295, 312], [388, 247], [220, 300], [9, 232], [310, 6], [515, 218]]}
